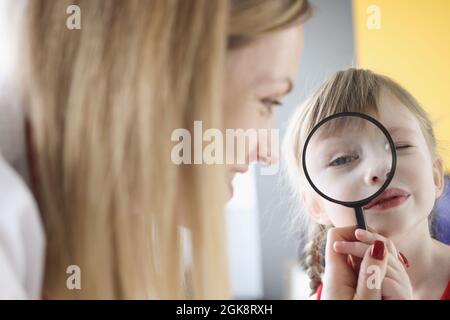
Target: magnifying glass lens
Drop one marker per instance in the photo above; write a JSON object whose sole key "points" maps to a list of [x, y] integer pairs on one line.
{"points": [[349, 159]]}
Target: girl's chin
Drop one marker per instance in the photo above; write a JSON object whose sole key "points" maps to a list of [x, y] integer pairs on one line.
{"points": [[388, 229]]}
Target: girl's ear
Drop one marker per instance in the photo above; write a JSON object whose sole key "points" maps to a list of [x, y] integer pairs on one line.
{"points": [[438, 176], [314, 207]]}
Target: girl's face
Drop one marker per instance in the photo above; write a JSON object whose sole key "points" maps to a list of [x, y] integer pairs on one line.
{"points": [[418, 176], [258, 76]]}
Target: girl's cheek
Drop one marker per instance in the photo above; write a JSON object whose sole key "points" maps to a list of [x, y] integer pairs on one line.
{"points": [[418, 180], [340, 216], [405, 164], [415, 178]]}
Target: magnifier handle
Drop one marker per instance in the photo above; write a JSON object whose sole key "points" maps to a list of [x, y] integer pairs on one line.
{"points": [[360, 221]]}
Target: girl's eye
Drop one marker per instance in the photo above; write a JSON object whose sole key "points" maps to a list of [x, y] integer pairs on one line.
{"points": [[271, 103], [343, 160], [402, 146]]}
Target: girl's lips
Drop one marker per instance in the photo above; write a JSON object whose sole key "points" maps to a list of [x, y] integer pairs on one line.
{"points": [[388, 199]]}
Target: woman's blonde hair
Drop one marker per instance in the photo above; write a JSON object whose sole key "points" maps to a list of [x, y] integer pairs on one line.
{"points": [[102, 103], [351, 90]]}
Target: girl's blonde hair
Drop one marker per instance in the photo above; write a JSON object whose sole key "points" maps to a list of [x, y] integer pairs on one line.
{"points": [[102, 103], [351, 90]]}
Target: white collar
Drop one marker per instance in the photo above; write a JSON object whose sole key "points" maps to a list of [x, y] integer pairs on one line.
{"points": [[12, 129]]}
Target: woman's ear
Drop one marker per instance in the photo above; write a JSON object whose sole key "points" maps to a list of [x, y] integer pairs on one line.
{"points": [[314, 207], [438, 176]]}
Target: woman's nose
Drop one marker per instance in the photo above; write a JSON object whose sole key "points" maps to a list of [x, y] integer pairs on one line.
{"points": [[267, 153], [270, 160]]}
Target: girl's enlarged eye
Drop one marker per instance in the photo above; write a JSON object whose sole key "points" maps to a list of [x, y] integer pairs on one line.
{"points": [[270, 104], [343, 160]]}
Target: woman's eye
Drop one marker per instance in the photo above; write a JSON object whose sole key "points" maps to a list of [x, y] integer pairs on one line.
{"points": [[271, 103], [343, 160]]}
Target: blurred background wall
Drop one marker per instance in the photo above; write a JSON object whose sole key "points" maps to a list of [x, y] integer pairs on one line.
{"points": [[413, 47]]}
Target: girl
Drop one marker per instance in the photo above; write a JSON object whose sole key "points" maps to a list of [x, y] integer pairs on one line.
{"points": [[418, 266]]}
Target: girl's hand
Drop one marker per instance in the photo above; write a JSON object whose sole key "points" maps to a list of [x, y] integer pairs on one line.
{"points": [[340, 280], [396, 284]]}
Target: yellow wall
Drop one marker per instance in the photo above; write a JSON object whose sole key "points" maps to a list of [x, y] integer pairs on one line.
{"points": [[412, 47]]}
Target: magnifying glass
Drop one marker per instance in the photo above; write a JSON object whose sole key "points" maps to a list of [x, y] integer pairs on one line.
{"points": [[349, 158]]}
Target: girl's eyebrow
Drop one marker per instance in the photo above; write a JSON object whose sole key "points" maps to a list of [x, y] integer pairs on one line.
{"points": [[393, 130]]}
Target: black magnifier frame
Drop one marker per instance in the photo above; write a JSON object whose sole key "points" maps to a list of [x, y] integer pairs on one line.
{"points": [[357, 205]]}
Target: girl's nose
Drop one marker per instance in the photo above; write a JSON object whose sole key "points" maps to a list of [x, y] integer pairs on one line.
{"points": [[377, 175]]}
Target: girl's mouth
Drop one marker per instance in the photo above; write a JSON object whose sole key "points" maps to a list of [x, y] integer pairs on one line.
{"points": [[390, 198]]}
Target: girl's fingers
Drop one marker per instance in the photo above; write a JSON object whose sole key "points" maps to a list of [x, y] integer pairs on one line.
{"points": [[391, 272], [392, 290], [372, 273], [403, 259], [398, 262], [398, 256], [355, 262], [370, 237], [367, 236], [357, 249], [339, 279], [353, 250], [396, 280]]}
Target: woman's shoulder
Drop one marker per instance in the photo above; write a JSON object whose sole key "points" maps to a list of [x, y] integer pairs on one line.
{"points": [[12, 127], [22, 241]]}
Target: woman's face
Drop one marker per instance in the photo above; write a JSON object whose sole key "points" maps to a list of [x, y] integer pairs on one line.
{"points": [[418, 175], [258, 76]]}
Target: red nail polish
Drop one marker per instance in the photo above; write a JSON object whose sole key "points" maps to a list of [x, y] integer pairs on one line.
{"points": [[403, 259], [377, 251]]}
